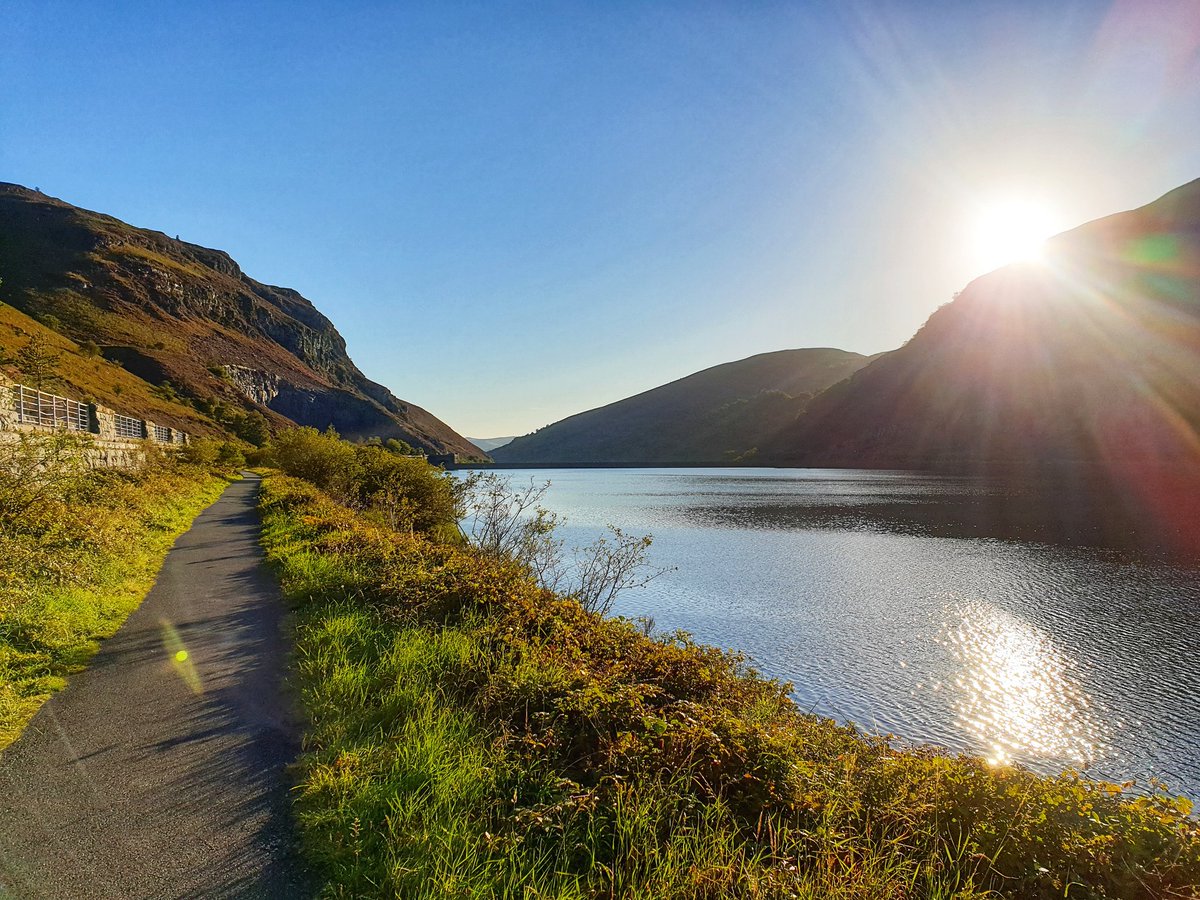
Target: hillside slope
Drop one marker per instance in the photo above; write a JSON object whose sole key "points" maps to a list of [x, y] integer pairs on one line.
{"points": [[75, 374], [1090, 357], [711, 416], [168, 310]]}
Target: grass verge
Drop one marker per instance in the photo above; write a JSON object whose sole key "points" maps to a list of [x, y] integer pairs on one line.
{"points": [[471, 735], [75, 562]]}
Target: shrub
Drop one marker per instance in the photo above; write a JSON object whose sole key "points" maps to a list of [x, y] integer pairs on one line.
{"points": [[38, 470], [510, 523], [230, 456], [321, 458], [406, 494], [263, 456], [201, 452]]}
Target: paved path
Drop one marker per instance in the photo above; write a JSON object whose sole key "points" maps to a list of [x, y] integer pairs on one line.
{"points": [[152, 777]]}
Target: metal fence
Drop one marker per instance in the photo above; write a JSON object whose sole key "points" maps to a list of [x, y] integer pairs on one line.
{"points": [[34, 407], [129, 427]]}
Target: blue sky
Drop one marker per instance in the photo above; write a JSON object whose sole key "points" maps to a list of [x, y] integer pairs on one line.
{"points": [[515, 212]]}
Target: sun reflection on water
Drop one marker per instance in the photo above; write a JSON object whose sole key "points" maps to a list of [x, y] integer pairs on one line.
{"points": [[1016, 690]]}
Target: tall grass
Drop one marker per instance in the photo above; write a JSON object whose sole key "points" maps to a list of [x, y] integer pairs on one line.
{"points": [[472, 735], [79, 549]]}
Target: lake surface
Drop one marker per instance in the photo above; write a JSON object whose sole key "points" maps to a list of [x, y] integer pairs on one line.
{"points": [[890, 600]]}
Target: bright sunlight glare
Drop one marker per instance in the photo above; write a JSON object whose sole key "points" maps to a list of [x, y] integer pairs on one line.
{"points": [[1012, 229]]}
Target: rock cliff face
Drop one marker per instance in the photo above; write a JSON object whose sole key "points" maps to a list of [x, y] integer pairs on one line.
{"points": [[261, 387], [173, 311]]}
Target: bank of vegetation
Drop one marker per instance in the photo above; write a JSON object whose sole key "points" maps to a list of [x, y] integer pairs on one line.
{"points": [[472, 733], [79, 549]]}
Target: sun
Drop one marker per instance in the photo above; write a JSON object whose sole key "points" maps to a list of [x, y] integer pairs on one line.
{"points": [[1012, 229]]}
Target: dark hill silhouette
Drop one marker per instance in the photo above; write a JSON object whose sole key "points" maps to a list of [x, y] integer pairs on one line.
{"points": [[711, 416], [1075, 381], [168, 310], [1091, 357]]}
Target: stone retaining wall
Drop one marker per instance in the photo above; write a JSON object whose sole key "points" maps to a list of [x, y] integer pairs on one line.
{"points": [[109, 448]]}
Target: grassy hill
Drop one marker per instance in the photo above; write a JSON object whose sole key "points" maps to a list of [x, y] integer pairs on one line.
{"points": [[170, 311], [712, 416]]}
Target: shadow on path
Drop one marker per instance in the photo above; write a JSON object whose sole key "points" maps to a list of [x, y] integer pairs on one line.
{"points": [[159, 770]]}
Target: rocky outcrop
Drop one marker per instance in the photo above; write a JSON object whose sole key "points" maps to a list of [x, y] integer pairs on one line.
{"points": [[260, 387]]}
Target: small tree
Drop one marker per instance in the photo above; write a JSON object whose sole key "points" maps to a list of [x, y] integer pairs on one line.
{"points": [[511, 523], [398, 447], [36, 361], [253, 428]]}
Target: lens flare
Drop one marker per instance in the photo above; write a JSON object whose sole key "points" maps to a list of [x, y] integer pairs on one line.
{"points": [[181, 659]]}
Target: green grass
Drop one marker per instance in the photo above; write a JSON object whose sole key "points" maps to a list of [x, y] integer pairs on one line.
{"points": [[470, 735], [74, 567]]}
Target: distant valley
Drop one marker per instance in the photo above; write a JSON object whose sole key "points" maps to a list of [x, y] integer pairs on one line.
{"points": [[490, 444]]}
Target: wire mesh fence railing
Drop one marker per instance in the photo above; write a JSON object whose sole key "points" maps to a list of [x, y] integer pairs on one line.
{"points": [[34, 407], [31, 406], [128, 426]]}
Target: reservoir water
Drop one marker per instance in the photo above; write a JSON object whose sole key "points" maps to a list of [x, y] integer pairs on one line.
{"points": [[909, 605]]}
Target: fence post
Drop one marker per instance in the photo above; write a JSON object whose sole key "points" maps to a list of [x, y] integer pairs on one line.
{"points": [[106, 423], [9, 416]]}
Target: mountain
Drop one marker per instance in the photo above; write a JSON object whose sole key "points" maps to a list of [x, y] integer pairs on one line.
{"points": [[713, 416], [490, 444], [170, 311], [1089, 358]]}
